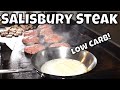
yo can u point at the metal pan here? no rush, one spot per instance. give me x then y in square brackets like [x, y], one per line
[37, 60]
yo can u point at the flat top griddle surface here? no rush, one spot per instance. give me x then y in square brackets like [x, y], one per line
[107, 67]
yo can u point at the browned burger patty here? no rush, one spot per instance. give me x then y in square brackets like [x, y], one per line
[26, 27]
[29, 40]
[34, 48]
[60, 45]
[46, 31]
[53, 38]
[30, 32]
[44, 26]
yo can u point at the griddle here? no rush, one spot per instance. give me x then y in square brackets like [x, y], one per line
[108, 66]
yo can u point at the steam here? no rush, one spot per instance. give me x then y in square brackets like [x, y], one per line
[70, 34]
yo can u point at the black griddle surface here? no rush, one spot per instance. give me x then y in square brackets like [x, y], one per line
[108, 66]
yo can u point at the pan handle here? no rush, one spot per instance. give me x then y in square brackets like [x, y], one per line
[3, 71]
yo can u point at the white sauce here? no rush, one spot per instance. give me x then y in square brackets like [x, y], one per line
[63, 67]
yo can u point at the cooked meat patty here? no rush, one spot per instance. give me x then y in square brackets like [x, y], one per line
[53, 38]
[60, 45]
[26, 27]
[29, 40]
[46, 31]
[23, 27]
[44, 26]
[34, 48]
[31, 32]
[4, 33]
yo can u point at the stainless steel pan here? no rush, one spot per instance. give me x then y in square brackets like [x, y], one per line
[87, 58]
[38, 59]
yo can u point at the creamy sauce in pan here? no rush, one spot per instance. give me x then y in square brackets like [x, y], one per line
[64, 67]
